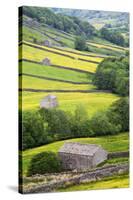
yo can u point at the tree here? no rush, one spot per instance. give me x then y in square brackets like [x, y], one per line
[59, 21]
[45, 162]
[80, 43]
[57, 122]
[101, 125]
[121, 110]
[112, 36]
[80, 122]
[122, 86]
[112, 74]
[33, 131]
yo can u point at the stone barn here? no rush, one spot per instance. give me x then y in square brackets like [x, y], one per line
[81, 156]
[46, 61]
[47, 43]
[49, 101]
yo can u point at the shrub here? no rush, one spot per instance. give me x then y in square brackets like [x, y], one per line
[33, 130]
[45, 162]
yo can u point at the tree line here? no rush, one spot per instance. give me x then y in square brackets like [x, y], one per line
[59, 21]
[73, 25]
[47, 125]
[113, 36]
[113, 74]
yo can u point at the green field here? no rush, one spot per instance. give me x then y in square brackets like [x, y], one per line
[114, 143]
[38, 55]
[68, 101]
[120, 181]
[70, 70]
[28, 34]
[111, 47]
[66, 39]
[105, 51]
[38, 34]
[72, 53]
[37, 83]
[50, 72]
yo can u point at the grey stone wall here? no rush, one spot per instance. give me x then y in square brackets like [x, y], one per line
[93, 175]
[118, 154]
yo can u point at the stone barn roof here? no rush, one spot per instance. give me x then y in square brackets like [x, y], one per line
[78, 148]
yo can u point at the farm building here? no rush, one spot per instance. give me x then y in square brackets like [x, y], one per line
[46, 61]
[47, 43]
[49, 101]
[81, 156]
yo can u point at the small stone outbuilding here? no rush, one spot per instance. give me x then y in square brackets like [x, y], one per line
[77, 156]
[47, 43]
[46, 61]
[49, 101]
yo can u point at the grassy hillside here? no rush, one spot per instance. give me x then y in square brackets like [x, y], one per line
[111, 47]
[50, 72]
[70, 77]
[98, 18]
[44, 33]
[35, 54]
[114, 143]
[72, 54]
[69, 101]
[39, 83]
[61, 38]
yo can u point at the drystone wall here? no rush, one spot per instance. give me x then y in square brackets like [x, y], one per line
[94, 175]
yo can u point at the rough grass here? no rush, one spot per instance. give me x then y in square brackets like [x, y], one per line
[37, 83]
[50, 72]
[68, 101]
[120, 181]
[38, 55]
[114, 143]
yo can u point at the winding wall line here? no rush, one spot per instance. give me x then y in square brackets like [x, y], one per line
[63, 91]
[44, 33]
[54, 79]
[58, 53]
[87, 177]
[69, 37]
[57, 66]
[80, 54]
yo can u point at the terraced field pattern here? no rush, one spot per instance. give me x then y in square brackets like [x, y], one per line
[69, 75]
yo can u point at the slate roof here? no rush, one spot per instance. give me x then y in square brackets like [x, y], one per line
[80, 149]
